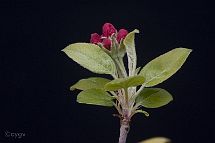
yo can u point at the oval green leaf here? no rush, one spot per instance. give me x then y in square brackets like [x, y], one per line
[164, 66]
[153, 97]
[92, 82]
[124, 83]
[91, 57]
[156, 140]
[95, 97]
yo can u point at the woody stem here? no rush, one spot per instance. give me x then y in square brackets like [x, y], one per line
[124, 129]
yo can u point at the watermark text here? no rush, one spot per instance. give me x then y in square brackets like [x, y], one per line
[15, 135]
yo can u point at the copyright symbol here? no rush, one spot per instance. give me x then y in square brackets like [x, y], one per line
[7, 134]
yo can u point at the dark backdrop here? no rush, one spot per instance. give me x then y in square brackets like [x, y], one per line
[36, 75]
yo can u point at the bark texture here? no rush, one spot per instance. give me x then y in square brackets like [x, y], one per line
[124, 129]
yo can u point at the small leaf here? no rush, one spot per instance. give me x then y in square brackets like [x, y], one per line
[91, 57]
[164, 66]
[95, 97]
[92, 82]
[124, 83]
[143, 112]
[153, 97]
[131, 51]
[156, 140]
[121, 49]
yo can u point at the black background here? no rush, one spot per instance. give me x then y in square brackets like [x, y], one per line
[36, 75]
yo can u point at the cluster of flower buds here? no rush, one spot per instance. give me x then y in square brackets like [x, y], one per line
[106, 40]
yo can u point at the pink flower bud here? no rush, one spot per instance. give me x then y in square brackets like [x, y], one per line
[107, 43]
[95, 38]
[108, 29]
[121, 34]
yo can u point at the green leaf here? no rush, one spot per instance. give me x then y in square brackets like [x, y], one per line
[91, 57]
[124, 83]
[92, 82]
[164, 66]
[156, 140]
[153, 97]
[95, 97]
[131, 52]
[121, 49]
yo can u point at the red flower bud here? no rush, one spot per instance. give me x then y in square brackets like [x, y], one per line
[107, 43]
[121, 34]
[95, 38]
[108, 29]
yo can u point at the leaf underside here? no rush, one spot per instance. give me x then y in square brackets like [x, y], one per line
[154, 97]
[131, 51]
[95, 97]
